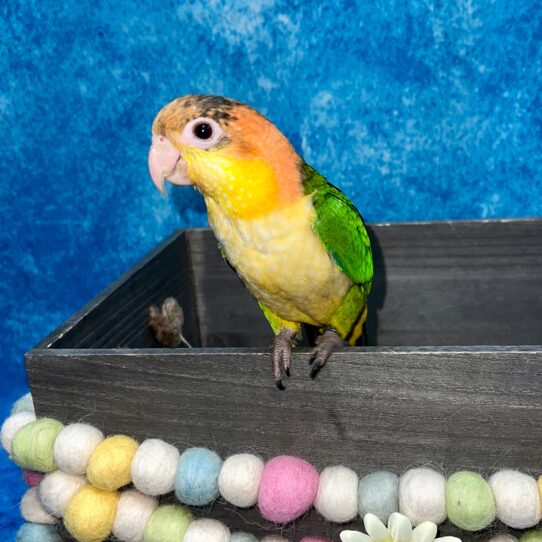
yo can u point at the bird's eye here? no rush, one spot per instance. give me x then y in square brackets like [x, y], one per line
[203, 130]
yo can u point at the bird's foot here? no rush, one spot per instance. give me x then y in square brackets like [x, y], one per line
[325, 344]
[281, 355]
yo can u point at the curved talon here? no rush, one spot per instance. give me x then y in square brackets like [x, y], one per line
[315, 370]
[281, 355]
[325, 344]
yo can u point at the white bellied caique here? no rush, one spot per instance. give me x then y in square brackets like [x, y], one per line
[297, 242]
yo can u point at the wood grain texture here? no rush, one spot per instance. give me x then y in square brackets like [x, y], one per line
[118, 316]
[384, 407]
[448, 283]
[374, 408]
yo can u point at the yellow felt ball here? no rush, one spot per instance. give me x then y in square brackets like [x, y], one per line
[109, 465]
[90, 514]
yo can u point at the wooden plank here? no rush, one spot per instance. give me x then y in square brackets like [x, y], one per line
[457, 283]
[375, 408]
[445, 283]
[448, 283]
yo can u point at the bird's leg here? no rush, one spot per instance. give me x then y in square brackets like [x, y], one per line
[325, 344]
[281, 355]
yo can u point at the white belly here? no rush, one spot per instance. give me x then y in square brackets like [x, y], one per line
[282, 262]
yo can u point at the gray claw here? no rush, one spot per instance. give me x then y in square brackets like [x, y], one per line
[281, 355]
[325, 344]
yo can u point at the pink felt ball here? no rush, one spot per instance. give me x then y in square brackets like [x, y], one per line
[288, 488]
[32, 478]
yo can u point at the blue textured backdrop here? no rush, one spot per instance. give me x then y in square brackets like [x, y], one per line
[418, 109]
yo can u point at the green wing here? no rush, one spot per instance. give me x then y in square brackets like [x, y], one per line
[340, 228]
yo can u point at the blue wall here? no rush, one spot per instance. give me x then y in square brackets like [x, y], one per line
[418, 109]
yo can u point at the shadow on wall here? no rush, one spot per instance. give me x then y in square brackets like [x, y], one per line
[378, 291]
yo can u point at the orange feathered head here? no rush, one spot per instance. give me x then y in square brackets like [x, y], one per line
[228, 151]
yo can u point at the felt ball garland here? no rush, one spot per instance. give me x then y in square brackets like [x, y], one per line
[75, 473]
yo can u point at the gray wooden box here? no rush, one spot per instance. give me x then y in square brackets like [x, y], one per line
[453, 379]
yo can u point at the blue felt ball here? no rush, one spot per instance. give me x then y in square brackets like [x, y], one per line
[35, 532]
[196, 482]
[24, 404]
[378, 494]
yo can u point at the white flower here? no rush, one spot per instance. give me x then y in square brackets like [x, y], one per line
[399, 529]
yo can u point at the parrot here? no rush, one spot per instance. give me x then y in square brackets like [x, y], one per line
[296, 241]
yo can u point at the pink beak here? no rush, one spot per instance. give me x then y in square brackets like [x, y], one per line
[166, 163]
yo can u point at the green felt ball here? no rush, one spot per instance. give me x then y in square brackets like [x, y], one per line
[168, 522]
[469, 501]
[531, 536]
[32, 446]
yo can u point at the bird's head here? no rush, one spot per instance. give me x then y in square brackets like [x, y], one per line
[228, 151]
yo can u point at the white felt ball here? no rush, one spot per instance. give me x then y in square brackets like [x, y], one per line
[517, 497]
[154, 467]
[503, 537]
[209, 530]
[12, 425]
[243, 537]
[422, 496]
[133, 511]
[239, 479]
[32, 510]
[337, 497]
[74, 446]
[57, 489]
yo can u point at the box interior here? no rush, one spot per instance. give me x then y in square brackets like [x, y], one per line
[437, 284]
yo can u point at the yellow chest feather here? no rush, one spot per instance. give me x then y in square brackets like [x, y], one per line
[282, 262]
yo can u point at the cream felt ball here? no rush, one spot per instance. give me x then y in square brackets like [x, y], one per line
[239, 479]
[133, 511]
[274, 538]
[32, 509]
[422, 496]
[154, 467]
[379, 495]
[209, 530]
[57, 489]
[12, 425]
[337, 497]
[517, 497]
[242, 537]
[74, 446]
